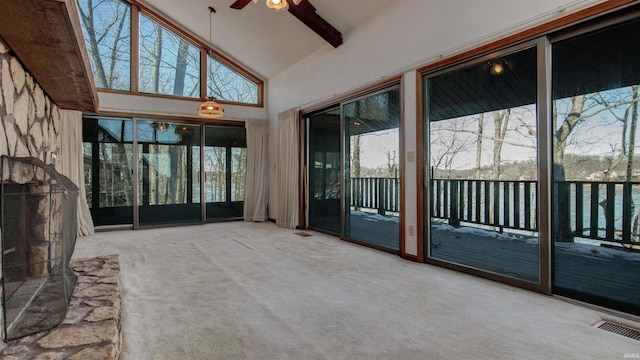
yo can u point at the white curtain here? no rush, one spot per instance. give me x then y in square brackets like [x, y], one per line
[72, 164]
[288, 169]
[256, 194]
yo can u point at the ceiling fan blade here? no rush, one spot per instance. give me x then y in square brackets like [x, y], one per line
[239, 4]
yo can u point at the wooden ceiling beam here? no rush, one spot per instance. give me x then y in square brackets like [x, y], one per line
[46, 36]
[240, 4]
[306, 13]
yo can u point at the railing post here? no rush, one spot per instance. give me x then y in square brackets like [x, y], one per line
[381, 196]
[610, 208]
[454, 218]
[562, 206]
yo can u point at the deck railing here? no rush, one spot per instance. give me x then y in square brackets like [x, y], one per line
[502, 204]
[600, 210]
[586, 209]
[381, 194]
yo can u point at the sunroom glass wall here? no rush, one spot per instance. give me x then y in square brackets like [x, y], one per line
[108, 170]
[225, 160]
[168, 173]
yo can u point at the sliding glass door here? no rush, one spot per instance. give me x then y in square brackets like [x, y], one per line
[108, 169]
[225, 157]
[371, 175]
[595, 87]
[353, 175]
[168, 173]
[324, 171]
[482, 152]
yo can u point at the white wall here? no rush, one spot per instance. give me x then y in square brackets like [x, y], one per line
[407, 35]
[138, 104]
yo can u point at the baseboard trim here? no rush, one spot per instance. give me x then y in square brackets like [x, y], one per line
[410, 257]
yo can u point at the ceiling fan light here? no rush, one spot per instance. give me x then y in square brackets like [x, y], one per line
[277, 4]
[297, 2]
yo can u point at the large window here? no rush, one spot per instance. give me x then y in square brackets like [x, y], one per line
[223, 83]
[169, 64]
[169, 59]
[107, 33]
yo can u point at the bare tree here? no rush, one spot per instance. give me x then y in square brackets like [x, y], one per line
[500, 119]
[479, 145]
[355, 157]
[447, 142]
[181, 68]
[392, 163]
[107, 36]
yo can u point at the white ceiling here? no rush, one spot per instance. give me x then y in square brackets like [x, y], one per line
[263, 40]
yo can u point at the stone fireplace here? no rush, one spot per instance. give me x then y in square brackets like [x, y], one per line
[39, 228]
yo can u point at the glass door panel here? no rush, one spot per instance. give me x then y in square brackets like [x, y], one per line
[595, 92]
[225, 162]
[108, 169]
[483, 191]
[371, 174]
[324, 171]
[168, 173]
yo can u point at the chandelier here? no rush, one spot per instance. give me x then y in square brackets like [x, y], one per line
[210, 109]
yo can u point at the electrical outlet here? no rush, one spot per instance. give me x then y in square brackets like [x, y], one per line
[411, 156]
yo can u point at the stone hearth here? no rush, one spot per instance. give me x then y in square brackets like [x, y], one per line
[92, 327]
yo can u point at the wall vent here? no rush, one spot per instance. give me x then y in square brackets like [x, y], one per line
[303, 234]
[619, 329]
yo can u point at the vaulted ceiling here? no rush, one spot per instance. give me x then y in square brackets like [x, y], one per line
[263, 40]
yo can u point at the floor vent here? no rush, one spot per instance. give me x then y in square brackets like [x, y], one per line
[303, 234]
[619, 329]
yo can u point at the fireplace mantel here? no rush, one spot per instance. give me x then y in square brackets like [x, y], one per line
[46, 36]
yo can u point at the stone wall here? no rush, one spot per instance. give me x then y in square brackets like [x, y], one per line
[29, 120]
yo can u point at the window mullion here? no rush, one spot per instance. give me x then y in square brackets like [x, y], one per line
[135, 49]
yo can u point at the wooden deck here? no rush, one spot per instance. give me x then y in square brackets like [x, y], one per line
[486, 250]
[380, 230]
[604, 272]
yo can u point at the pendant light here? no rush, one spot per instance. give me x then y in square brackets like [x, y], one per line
[210, 109]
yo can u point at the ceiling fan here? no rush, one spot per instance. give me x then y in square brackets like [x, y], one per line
[306, 13]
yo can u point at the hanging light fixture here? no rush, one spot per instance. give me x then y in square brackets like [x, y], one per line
[210, 109]
[279, 4]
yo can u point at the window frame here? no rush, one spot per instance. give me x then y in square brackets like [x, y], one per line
[205, 50]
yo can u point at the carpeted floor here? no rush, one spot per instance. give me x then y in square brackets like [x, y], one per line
[255, 291]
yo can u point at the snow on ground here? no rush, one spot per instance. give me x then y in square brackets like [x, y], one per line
[589, 249]
[375, 217]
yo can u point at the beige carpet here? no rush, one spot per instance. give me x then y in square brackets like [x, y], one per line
[255, 291]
